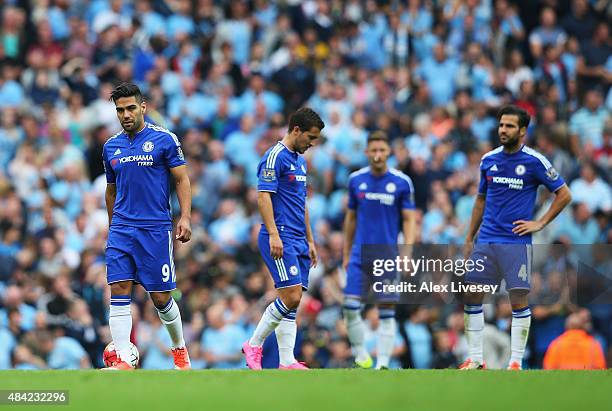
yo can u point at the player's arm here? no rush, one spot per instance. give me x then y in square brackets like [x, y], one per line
[110, 194]
[264, 203]
[183, 192]
[563, 197]
[477, 211]
[312, 249]
[475, 221]
[409, 226]
[408, 214]
[109, 197]
[349, 234]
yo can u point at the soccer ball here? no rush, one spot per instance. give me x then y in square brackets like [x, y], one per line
[109, 356]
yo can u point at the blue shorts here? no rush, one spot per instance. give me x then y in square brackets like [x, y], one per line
[143, 256]
[293, 268]
[512, 262]
[360, 285]
[354, 278]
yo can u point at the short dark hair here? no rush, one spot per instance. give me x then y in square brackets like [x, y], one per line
[305, 118]
[378, 135]
[126, 90]
[510, 110]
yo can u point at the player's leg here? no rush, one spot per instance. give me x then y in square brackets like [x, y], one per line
[170, 316]
[385, 335]
[289, 286]
[286, 331]
[521, 322]
[351, 310]
[155, 262]
[120, 317]
[516, 266]
[473, 315]
[473, 320]
[120, 273]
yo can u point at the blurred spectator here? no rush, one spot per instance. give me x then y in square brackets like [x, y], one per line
[221, 341]
[592, 190]
[575, 349]
[594, 65]
[547, 34]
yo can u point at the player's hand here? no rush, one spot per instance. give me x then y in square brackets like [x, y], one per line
[467, 248]
[312, 252]
[183, 230]
[522, 227]
[276, 247]
[345, 262]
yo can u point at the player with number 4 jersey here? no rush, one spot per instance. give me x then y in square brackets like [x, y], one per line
[138, 163]
[509, 178]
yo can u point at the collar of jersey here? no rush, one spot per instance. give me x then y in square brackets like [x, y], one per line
[288, 149]
[516, 152]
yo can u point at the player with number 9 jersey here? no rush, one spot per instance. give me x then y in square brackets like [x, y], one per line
[138, 163]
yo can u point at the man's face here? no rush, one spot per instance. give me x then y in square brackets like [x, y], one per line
[378, 152]
[130, 113]
[305, 139]
[593, 100]
[509, 131]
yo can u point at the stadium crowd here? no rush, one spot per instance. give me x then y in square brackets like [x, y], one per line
[224, 75]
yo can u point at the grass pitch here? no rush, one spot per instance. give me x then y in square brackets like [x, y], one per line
[319, 390]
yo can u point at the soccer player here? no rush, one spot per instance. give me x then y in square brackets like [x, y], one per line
[503, 210]
[285, 239]
[381, 202]
[138, 162]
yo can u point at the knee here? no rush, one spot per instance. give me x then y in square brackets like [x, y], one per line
[473, 298]
[160, 300]
[386, 311]
[292, 300]
[351, 307]
[121, 288]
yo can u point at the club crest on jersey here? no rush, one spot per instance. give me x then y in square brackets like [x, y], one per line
[268, 174]
[363, 186]
[293, 270]
[552, 174]
[390, 187]
[147, 146]
[520, 170]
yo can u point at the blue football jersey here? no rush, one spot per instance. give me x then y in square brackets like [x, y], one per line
[378, 202]
[140, 169]
[510, 183]
[283, 172]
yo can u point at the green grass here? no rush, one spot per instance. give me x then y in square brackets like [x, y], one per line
[320, 390]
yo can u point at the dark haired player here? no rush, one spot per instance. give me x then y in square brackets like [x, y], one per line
[285, 240]
[138, 162]
[381, 203]
[509, 179]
